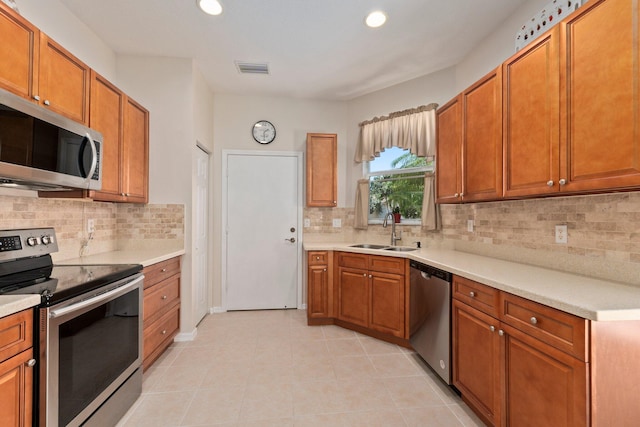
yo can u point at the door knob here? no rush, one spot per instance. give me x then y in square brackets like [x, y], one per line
[292, 240]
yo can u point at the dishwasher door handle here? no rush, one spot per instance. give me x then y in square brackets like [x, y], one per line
[425, 275]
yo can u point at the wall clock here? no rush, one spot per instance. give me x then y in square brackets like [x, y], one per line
[264, 132]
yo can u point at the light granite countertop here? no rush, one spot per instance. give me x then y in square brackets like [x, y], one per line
[10, 304]
[146, 257]
[587, 297]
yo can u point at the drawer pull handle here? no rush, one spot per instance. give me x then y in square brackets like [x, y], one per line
[164, 332]
[472, 294]
[164, 270]
[533, 321]
[492, 328]
[501, 332]
[164, 297]
[31, 363]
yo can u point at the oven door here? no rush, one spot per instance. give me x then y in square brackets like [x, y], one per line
[92, 346]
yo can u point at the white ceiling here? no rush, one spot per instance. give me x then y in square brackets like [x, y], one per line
[315, 48]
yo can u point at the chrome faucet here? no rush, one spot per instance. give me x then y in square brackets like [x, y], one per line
[394, 238]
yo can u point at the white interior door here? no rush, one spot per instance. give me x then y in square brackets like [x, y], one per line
[201, 280]
[262, 237]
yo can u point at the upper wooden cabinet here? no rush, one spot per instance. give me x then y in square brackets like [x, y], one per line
[448, 157]
[599, 63]
[20, 53]
[63, 81]
[469, 148]
[531, 98]
[322, 169]
[37, 68]
[107, 108]
[135, 152]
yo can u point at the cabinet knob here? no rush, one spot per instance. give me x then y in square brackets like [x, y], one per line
[164, 297]
[36, 97]
[164, 332]
[46, 102]
[122, 194]
[533, 320]
[472, 294]
[550, 183]
[335, 202]
[461, 194]
[456, 195]
[324, 269]
[562, 181]
[501, 332]
[370, 276]
[31, 363]
[365, 274]
[317, 258]
[164, 270]
[492, 328]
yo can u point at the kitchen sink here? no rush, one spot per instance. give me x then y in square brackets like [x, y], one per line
[368, 246]
[399, 249]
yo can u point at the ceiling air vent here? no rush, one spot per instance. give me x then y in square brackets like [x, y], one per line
[252, 68]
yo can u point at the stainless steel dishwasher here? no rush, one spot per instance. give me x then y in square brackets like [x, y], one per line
[430, 317]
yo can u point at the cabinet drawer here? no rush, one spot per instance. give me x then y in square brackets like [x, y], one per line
[158, 272]
[348, 259]
[16, 333]
[160, 297]
[160, 333]
[387, 264]
[484, 298]
[561, 330]
[318, 258]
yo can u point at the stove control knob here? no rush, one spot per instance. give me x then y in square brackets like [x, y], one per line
[46, 240]
[33, 241]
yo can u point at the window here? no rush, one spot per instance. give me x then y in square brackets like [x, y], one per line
[396, 180]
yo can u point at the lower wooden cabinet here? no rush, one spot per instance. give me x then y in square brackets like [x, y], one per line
[364, 292]
[16, 369]
[161, 308]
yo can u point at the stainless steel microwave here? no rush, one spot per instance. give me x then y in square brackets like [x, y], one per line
[42, 150]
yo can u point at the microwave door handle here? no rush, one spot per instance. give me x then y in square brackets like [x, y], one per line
[97, 299]
[94, 159]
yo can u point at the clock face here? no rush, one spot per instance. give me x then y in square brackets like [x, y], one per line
[264, 132]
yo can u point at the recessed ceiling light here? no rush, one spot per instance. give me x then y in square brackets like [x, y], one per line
[376, 19]
[211, 7]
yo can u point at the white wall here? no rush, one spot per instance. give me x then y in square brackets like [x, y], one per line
[234, 116]
[55, 20]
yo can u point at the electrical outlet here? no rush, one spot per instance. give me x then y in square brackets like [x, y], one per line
[337, 223]
[91, 226]
[470, 225]
[561, 234]
[307, 222]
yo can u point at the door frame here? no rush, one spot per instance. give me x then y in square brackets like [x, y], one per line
[208, 227]
[300, 196]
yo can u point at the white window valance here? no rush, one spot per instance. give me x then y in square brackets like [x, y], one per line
[414, 130]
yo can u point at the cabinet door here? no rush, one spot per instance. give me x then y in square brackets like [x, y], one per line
[387, 304]
[64, 81]
[531, 98]
[318, 291]
[322, 174]
[16, 390]
[107, 103]
[19, 52]
[448, 157]
[600, 97]
[543, 386]
[135, 151]
[476, 360]
[353, 296]
[482, 139]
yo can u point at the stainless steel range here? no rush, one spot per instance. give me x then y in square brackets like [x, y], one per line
[89, 327]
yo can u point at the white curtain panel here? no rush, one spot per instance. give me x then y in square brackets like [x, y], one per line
[362, 205]
[431, 220]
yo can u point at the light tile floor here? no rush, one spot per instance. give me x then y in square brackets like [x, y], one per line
[268, 368]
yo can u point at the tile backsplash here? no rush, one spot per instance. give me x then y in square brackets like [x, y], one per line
[603, 232]
[115, 224]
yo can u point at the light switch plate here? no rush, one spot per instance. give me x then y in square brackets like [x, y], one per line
[91, 226]
[561, 234]
[337, 223]
[470, 225]
[307, 223]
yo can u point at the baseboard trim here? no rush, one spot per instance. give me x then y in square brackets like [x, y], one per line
[213, 310]
[186, 336]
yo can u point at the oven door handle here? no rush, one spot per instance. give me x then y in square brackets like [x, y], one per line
[97, 299]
